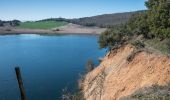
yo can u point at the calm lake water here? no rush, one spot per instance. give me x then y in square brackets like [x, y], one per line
[48, 63]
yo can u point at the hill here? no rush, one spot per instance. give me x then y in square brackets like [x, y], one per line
[106, 20]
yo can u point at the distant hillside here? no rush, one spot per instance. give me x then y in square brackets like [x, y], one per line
[106, 20]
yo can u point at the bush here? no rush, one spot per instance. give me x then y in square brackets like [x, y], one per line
[15, 23]
[138, 44]
[1, 23]
[89, 65]
[159, 18]
[112, 37]
[72, 96]
[138, 24]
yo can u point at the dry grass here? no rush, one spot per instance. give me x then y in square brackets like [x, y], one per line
[154, 92]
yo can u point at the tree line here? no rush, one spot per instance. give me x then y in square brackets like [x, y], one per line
[10, 23]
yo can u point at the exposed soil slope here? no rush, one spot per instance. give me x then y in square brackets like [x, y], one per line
[116, 77]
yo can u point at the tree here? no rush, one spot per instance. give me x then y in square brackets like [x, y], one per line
[139, 25]
[103, 39]
[1, 23]
[159, 17]
[15, 22]
[154, 22]
[112, 37]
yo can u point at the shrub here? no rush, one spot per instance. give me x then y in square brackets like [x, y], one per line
[139, 25]
[112, 37]
[14, 22]
[138, 44]
[1, 23]
[159, 17]
[89, 65]
[72, 96]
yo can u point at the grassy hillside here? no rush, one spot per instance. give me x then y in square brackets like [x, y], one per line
[106, 20]
[42, 24]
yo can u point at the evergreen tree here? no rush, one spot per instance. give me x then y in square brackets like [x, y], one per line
[159, 17]
[1, 23]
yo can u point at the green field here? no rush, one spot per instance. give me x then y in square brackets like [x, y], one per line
[42, 24]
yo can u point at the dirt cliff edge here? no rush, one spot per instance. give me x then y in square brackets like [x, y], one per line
[116, 77]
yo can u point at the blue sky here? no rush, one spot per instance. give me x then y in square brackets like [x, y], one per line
[40, 9]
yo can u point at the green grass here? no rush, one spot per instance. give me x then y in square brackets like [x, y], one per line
[42, 24]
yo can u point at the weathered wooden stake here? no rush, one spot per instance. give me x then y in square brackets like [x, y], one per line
[20, 83]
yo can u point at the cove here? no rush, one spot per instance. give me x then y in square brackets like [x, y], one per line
[48, 63]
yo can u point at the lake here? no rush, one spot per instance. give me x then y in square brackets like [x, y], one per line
[48, 63]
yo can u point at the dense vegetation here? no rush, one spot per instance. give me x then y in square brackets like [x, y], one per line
[153, 24]
[159, 18]
[90, 65]
[42, 24]
[10, 23]
[1, 23]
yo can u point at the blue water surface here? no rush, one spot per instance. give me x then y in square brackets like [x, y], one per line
[48, 63]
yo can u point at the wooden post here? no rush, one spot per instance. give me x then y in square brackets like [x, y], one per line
[20, 83]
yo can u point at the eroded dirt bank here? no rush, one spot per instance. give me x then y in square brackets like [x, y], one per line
[116, 77]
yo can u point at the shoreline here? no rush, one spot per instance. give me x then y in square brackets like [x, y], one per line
[50, 34]
[64, 30]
